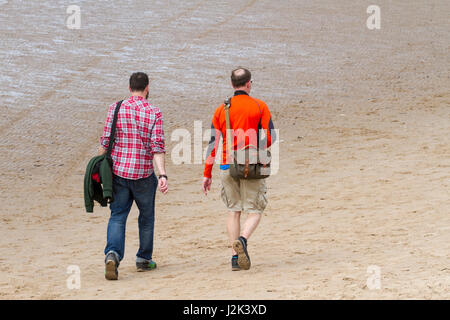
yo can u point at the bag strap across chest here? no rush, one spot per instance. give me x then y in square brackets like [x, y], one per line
[113, 129]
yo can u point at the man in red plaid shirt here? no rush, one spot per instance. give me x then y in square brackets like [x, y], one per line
[138, 142]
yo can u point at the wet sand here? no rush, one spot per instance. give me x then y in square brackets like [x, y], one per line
[364, 119]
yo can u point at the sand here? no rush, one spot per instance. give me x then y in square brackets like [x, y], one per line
[364, 119]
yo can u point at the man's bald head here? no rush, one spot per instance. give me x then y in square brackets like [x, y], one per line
[240, 77]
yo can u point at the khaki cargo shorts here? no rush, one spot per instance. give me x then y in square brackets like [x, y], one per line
[243, 195]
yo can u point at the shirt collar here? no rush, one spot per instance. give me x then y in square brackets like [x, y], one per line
[240, 93]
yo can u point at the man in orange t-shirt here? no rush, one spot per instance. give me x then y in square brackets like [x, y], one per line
[246, 113]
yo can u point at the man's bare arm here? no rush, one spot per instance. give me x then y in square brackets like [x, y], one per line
[159, 159]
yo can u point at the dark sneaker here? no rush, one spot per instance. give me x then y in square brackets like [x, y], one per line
[145, 266]
[111, 267]
[243, 258]
[235, 265]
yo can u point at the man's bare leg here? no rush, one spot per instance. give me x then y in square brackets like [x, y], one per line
[250, 224]
[240, 245]
[233, 227]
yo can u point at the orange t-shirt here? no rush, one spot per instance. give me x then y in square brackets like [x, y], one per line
[245, 115]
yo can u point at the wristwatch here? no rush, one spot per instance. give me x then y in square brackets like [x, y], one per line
[162, 176]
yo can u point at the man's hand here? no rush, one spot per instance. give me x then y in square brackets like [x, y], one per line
[206, 185]
[163, 185]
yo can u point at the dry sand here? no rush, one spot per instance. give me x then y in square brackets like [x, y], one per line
[364, 120]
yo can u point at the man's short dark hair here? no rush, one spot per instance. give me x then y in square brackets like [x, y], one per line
[138, 81]
[240, 76]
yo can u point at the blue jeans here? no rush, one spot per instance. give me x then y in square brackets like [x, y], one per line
[125, 191]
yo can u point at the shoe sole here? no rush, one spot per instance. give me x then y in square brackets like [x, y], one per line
[243, 258]
[110, 270]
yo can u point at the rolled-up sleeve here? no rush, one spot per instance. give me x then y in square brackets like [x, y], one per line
[157, 140]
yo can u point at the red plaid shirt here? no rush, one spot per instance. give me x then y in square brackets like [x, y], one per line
[139, 134]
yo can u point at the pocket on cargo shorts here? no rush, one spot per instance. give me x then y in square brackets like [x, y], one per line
[223, 195]
[254, 196]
